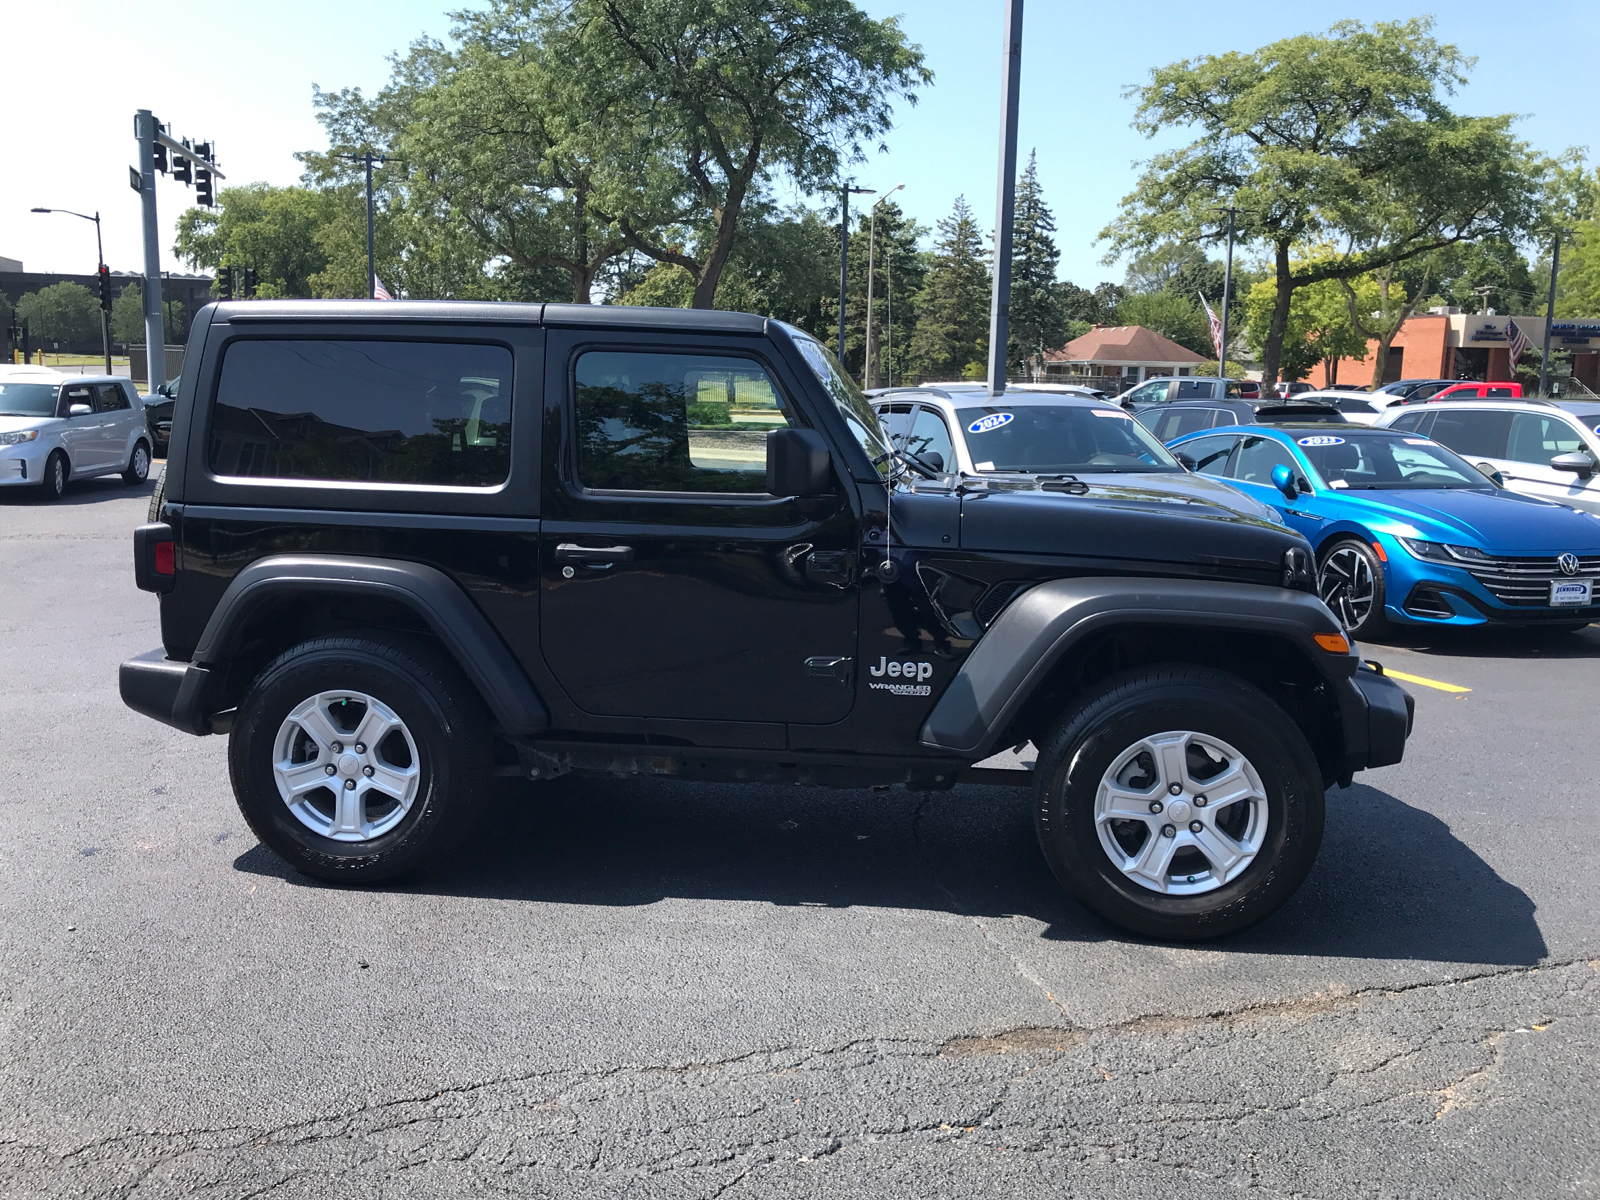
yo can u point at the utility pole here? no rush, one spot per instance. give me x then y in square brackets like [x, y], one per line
[1227, 295]
[368, 158]
[150, 137]
[872, 247]
[1006, 200]
[1549, 318]
[846, 190]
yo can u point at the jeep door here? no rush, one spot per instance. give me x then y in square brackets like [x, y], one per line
[672, 586]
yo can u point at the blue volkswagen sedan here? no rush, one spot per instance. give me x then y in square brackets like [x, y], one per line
[1406, 532]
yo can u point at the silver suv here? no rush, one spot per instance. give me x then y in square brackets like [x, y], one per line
[1530, 446]
[69, 427]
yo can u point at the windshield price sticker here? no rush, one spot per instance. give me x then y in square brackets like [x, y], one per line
[992, 421]
[1110, 412]
[1321, 441]
[1418, 441]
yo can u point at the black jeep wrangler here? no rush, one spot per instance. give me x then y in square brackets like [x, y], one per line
[403, 548]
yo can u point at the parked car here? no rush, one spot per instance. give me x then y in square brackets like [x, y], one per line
[1408, 390]
[1473, 390]
[1168, 421]
[1358, 405]
[1533, 447]
[1023, 432]
[1169, 389]
[1406, 532]
[68, 427]
[413, 546]
[158, 416]
[1286, 388]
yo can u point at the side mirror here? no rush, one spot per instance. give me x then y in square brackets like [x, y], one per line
[1283, 480]
[1578, 462]
[79, 410]
[798, 463]
[1186, 461]
[934, 459]
[1488, 471]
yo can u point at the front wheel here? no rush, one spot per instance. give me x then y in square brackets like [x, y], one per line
[1350, 582]
[1179, 802]
[54, 483]
[357, 760]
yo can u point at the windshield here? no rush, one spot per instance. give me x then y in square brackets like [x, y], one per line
[1045, 440]
[28, 399]
[1356, 460]
[847, 398]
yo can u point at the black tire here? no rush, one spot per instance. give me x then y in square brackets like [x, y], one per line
[138, 468]
[56, 473]
[158, 497]
[440, 709]
[1334, 586]
[1152, 700]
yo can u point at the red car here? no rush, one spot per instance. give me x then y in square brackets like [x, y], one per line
[1478, 391]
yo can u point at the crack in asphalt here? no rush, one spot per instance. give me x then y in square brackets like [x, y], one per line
[1142, 1090]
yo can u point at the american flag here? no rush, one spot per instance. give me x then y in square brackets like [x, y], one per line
[379, 292]
[1216, 330]
[1518, 339]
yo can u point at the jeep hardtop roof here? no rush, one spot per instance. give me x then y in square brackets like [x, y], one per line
[485, 312]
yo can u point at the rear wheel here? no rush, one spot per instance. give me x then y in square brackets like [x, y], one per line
[56, 471]
[1350, 582]
[357, 760]
[138, 469]
[1179, 802]
[158, 497]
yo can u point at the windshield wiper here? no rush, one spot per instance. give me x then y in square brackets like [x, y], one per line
[924, 469]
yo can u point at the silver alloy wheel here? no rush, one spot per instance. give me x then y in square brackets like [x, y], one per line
[346, 766]
[1346, 586]
[141, 462]
[1181, 813]
[58, 474]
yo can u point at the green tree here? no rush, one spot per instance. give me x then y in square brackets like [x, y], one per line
[1343, 137]
[899, 271]
[1379, 305]
[1097, 307]
[1319, 327]
[727, 91]
[62, 312]
[1038, 320]
[273, 230]
[1170, 314]
[952, 332]
[127, 318]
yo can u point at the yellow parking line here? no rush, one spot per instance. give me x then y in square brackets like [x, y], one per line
[1433, 683]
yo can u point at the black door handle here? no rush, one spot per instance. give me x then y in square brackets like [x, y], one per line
[598, 557]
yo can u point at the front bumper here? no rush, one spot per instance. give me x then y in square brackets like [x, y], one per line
[1378, 714]
[22, 465]
[170, 692]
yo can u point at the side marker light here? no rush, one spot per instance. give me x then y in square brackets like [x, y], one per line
[1382, 557]
[1333, 643]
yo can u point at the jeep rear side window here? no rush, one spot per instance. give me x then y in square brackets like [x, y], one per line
[674, 422]
[429, 413]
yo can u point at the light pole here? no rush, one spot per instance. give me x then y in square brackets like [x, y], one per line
[100, 255]
[872, 246]
[1549, 318]
[368, 158]
[1006, 200]
[846, 190]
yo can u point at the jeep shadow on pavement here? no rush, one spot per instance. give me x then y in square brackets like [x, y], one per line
[404, 549]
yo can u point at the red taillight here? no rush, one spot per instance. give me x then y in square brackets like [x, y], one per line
[165, 559]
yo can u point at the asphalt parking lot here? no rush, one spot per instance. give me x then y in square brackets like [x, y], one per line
[645, 988]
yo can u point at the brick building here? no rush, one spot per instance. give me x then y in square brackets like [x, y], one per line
[1469, 346]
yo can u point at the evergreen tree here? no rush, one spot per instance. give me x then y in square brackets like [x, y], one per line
[899, 270]
[1038, 313]
[952, 335]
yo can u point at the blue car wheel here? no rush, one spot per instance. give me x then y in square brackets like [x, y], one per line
[1350, 582]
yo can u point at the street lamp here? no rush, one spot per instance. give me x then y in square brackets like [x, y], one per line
[872, 245]
[100, 253]
[846, 190]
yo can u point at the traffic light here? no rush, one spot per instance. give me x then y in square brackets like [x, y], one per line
[105, 287]
[224, 285]
[203, 150]
[180, 167]
[161, 151]
[202, 188]
[249, 290]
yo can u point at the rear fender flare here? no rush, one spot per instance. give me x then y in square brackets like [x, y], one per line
[1041, 627]
[441, 603]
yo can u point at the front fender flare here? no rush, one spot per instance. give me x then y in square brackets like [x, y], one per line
[436, 598]
[1042, 626]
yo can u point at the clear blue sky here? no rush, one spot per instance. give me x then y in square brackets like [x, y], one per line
[241, 75]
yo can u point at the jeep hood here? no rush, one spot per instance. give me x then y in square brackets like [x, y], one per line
[1170, 517]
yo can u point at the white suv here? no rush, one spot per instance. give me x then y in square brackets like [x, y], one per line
[1537, 448]
[66, 427]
